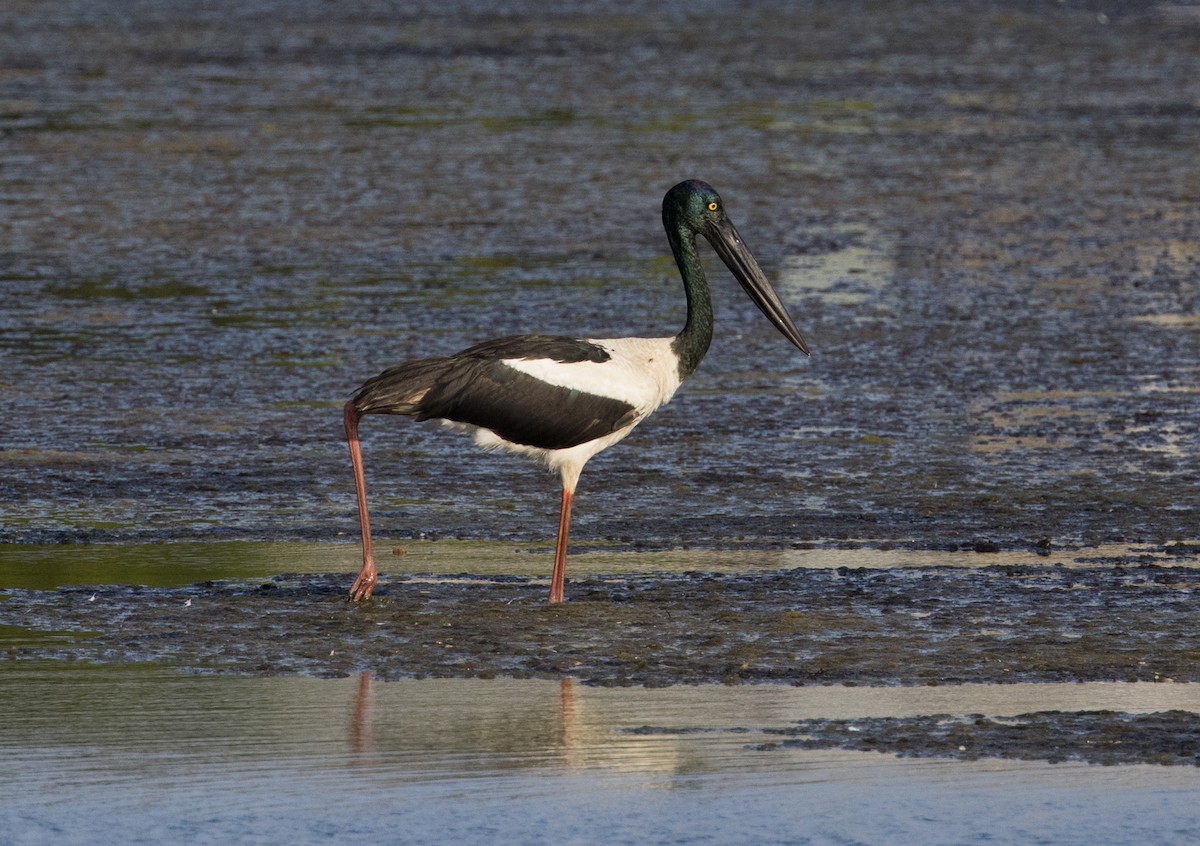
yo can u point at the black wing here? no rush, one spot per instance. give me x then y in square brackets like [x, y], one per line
[477, 388]
[554, 347]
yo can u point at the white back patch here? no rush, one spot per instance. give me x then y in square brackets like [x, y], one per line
[643, 372]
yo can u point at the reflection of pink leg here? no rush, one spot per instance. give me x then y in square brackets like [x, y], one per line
[566, 693]
[361, 722]
[559, 577]
[368, 575]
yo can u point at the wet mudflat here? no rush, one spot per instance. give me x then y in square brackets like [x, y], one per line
[984, 218]
[1081, 619]
[218, 219]
[903, 625]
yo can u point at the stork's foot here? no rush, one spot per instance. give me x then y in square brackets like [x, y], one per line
[368, 577]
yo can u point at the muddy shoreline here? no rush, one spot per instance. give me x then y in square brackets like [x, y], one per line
[922, 627]
[841, 626]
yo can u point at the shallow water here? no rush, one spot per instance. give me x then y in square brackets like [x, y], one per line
[219, 224]
[149, 755]
[182, 563]
[216, 220]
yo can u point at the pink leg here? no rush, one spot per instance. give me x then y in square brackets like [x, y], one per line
[559, 577]
[368, 575]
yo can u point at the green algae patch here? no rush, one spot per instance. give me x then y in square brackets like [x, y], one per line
[17, 638]
[156, 565]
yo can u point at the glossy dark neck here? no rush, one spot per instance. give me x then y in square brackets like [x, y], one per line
[692, 343]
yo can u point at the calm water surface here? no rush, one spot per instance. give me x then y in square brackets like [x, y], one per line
[145, 755]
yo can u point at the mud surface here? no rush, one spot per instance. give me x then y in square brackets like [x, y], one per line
[1105, 737]
[899, 626]
[218, 220]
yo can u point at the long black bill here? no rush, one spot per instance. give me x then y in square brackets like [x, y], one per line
[737, 257]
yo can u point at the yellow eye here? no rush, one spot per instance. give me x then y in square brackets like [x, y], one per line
[712, 206]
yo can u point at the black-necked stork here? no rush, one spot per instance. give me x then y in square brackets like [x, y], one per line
[562, 400]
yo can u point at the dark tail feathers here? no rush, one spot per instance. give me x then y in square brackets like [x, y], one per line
[400, 389]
